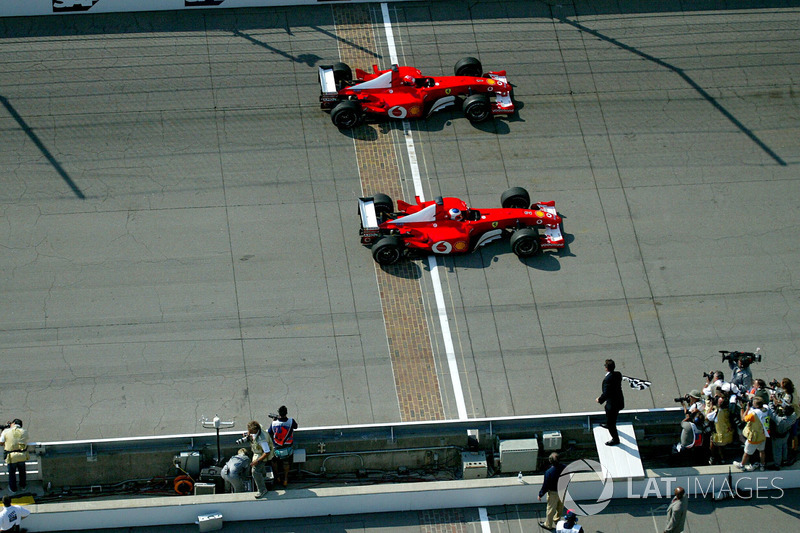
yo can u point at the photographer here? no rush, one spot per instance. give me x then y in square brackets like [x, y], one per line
[718, 414]
[691, 431]
[262, 446]
[759, 390]
[235, 470]
[715, 381]
[282, 433]
[15, 444]
[781, 421]
[756, 432]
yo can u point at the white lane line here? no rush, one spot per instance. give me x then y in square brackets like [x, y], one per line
[444, 323]
[484, 520]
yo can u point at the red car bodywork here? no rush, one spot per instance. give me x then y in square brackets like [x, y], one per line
[404, 92]
[428, 227]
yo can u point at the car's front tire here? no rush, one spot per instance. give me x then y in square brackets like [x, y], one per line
[477, 108]
[515, 197]
[469, 66]
[525, 242]
[346, 115]
[388, 250]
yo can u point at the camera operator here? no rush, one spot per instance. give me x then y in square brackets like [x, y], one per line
[262, 447]
[783, 393]
[742, 377]
[756, 432]
[718, 414]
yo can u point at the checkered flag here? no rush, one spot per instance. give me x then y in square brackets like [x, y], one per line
[636, 383]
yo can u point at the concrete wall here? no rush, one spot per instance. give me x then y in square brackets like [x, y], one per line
[17, 8]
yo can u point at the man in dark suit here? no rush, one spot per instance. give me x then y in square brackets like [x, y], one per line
[613, 398]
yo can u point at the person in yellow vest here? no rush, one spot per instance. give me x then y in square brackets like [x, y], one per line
[15, 444]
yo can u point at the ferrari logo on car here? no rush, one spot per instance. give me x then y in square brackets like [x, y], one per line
[494, 224]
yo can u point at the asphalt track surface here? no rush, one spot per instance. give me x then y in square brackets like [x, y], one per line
[179, 233]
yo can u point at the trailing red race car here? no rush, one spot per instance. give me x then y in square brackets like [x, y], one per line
[449, 226]
[403, 92]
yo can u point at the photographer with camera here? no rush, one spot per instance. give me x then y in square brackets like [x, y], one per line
[282, 433]
[262, 446]
[782, 419]
[718, 414]
[15, 445]
[691, 431]
[759, 390]
[715, 381]
[756, 432]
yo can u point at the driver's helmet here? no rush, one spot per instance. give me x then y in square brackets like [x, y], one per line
[455, 214]
[408, 80]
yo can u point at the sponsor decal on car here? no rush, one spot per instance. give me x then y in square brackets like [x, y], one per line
[398, 111]
[461, 246]
[441, 247]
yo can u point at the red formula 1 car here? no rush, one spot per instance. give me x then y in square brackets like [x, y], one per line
[403, 92]
[449, 226]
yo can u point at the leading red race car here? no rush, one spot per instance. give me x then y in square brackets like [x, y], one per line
[403, 92]
[448, 226]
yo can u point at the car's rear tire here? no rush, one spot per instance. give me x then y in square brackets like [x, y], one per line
[469, 66]
[346, 115]
[477, 108]
[525, 242]
[388, 250]
[515, 197]
[342, 73]
[383, 204]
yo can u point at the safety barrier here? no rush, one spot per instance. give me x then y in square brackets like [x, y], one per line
[22, 8]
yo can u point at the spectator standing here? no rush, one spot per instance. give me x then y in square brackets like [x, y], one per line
[262, 447]
[676, 512]
[569, 523]
[756, 432]
[282, 433]
[235, 470]
[613, 398]
[781, 421]
[11, 515]
[555, 506]
[15, 443]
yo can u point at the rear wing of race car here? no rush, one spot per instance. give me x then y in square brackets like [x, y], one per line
[369, 221]
[327, 84]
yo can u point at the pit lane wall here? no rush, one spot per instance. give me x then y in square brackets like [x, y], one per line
[24, 8]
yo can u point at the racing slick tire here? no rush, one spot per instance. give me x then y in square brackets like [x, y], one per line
[383, 204]
[346, 115]
[477, 108]
[342, 73]
[469, 66]
[515, 197]
[525, 242]
[388, 250]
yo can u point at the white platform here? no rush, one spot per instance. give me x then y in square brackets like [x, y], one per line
[623, 460]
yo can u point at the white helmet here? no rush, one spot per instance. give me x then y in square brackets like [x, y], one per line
[455, 214]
